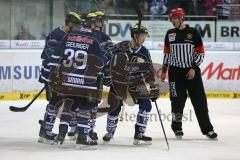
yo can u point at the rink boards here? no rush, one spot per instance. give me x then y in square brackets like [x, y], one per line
[20, 69]
[31, 95]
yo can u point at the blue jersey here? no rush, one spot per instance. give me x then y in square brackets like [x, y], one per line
[130, 68]
[55, 36]
[104, 41]
[81, 59]
[101, 36]
[140, 54]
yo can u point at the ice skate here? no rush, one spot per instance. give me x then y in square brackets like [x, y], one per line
[179, 134]
[93, 135]
[84, 142]
[72, 134]
[107, 137]
[211, 135]
[60, 139]
[141, 139]
[46, 137]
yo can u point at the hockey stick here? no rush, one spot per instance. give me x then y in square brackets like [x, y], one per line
[162, 125]
[122, 113]
[139, 12]
[23, 109]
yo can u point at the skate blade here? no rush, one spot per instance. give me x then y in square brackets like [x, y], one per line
[141, 142]
[179, 137]
[59, 144]
[45, 141]
[72, 138]
[212, 139]
[107, 142]
[85, 147]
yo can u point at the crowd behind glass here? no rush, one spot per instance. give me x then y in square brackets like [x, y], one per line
[33, 19]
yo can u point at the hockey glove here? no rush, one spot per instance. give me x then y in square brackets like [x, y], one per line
[154, 92]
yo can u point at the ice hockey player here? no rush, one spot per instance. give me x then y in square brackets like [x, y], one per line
[77, 78]
[105, 41]
[105, 45]
[99, 23]
[128, 52]
[72, 20]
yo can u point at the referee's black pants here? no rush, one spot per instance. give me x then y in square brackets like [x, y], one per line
[179, 87]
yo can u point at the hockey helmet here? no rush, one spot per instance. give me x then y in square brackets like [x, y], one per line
[100, 15]
[177, 12]
[136, 29]
[90, 17]
[73, 17]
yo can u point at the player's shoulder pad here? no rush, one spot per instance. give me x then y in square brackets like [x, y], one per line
[121, 47]
[58, 30]
[89, 35]
[123, 44]
[106, 36]
[58, 34]
[144, 49]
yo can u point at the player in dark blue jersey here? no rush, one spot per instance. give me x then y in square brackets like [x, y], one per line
[76, 74]
[72, 21]
[125, 54]
[101, 17]
[105, 45]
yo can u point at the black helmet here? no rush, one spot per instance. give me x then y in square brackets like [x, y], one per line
[72, 17]
[138, 30]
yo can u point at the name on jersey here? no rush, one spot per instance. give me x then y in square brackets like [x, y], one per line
[131, 68]
[172, 37]
[77, 45]
[74, 80]
[80, 39]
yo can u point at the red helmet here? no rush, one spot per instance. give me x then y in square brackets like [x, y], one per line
[177, 12]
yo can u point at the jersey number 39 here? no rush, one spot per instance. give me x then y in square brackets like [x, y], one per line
[77, 59]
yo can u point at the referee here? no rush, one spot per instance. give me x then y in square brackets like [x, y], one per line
[183, 53]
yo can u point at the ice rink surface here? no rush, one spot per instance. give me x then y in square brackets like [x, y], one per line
[19, 134]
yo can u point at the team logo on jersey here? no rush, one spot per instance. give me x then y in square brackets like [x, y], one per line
[189, 36]
[171, 37]
[80, 39]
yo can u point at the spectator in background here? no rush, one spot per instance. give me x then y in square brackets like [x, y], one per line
[124, 7]
[224, 10]
[108, 5]
[210, 7]
[206, 7]
[24, 34]
[158, 8]
[4, 35]
[187, 5]
[200, 7]
[235, 10]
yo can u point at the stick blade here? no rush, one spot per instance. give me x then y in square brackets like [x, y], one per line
[16, 109]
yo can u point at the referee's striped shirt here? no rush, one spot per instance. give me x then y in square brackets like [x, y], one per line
[183, 48]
